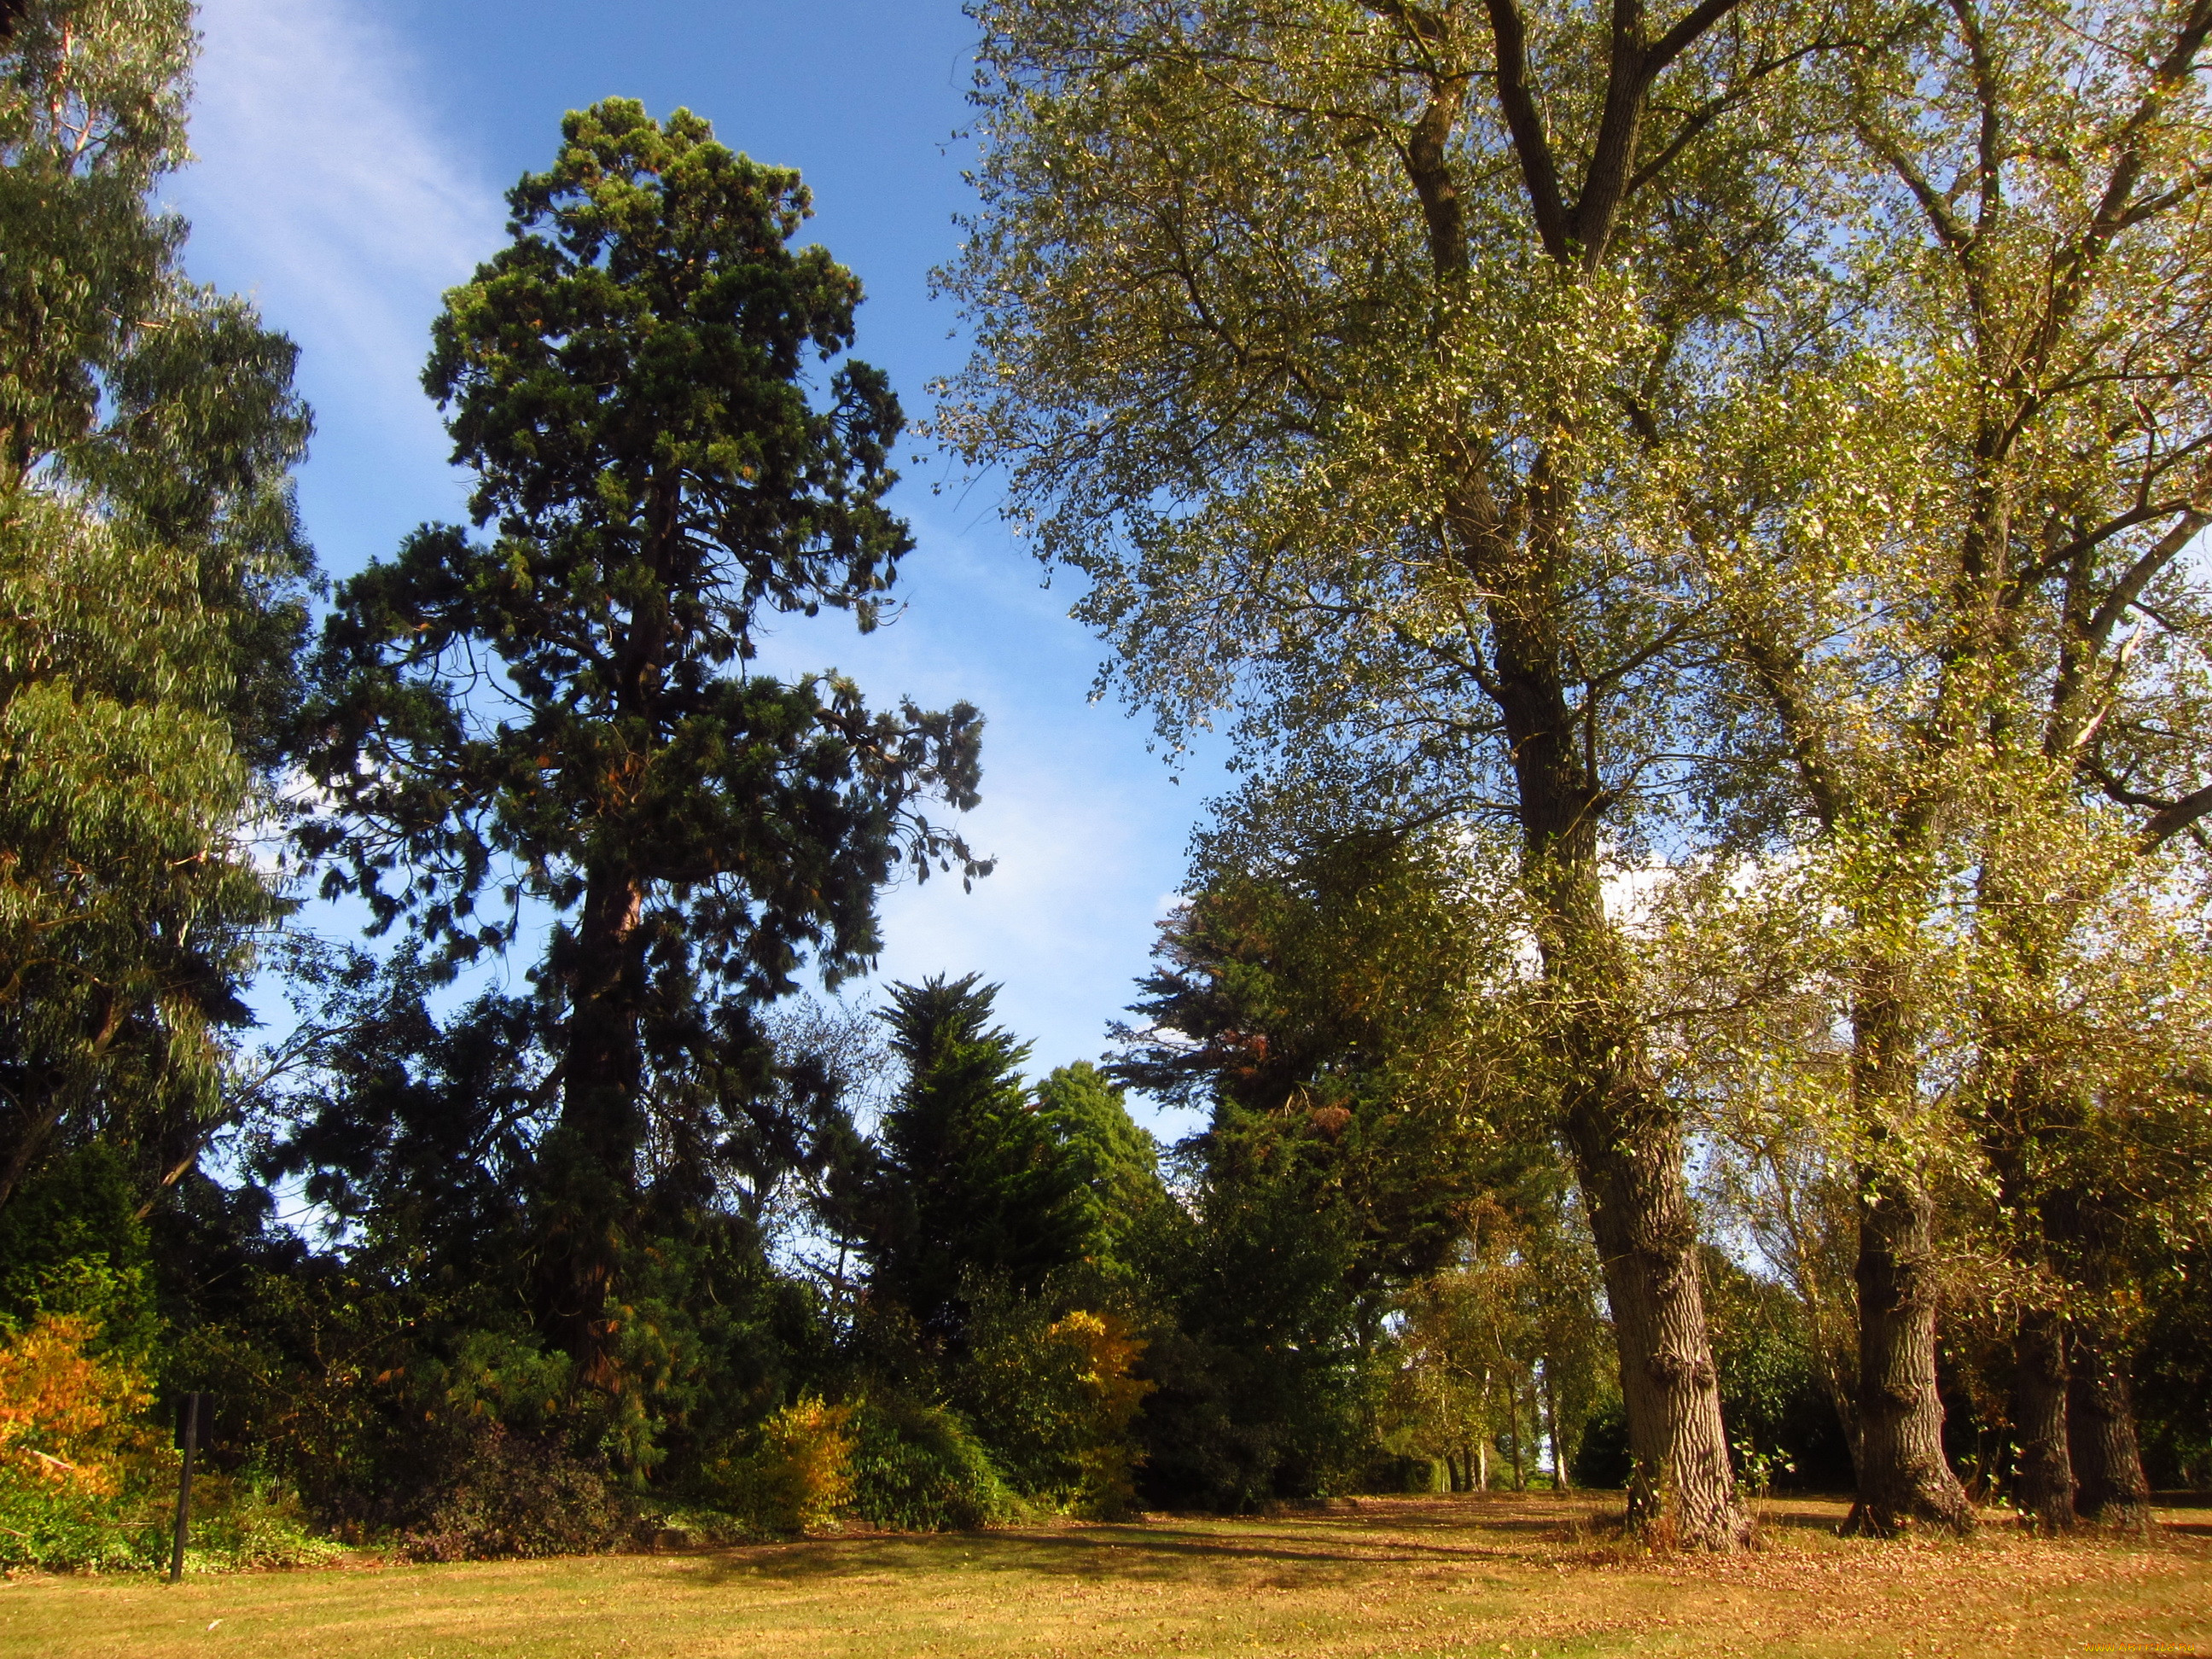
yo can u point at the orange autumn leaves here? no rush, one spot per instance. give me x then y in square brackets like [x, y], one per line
[68, 1415]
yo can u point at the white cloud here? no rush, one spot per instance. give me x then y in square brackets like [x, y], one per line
[319, 157]
[328, 190]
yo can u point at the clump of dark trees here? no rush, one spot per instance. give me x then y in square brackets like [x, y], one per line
[507, 1262]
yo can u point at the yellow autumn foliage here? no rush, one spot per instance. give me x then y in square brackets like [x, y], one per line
[66, 1414]
[799, 1475]
[1105, 1359]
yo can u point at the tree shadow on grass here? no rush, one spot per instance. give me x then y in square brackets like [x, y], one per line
[1299, 1549]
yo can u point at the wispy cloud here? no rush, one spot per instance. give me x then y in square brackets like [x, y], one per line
[328, 189]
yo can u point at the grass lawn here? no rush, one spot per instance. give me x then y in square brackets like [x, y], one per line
[1489, 1574]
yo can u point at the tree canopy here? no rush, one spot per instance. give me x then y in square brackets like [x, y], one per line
[564, 712]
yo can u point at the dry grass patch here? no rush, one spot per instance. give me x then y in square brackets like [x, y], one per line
[1494, 1575]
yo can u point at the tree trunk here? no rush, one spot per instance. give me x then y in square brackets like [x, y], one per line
[1512, 536]
[1904, 1480]
[1561, 1481]
[1624, 1134]
[588, 1166]
[2044, 1486]
[1513, 1403]
[2101, 1426]
[1681, 1488]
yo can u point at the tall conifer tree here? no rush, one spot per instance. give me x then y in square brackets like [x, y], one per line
[563, 712]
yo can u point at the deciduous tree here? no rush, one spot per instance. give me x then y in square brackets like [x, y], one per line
[1331, 341]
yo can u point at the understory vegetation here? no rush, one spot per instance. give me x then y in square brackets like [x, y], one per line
[1704, 990]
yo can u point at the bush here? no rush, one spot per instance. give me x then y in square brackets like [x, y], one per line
[81, 1475]
[515, 1495]
[1395, 1472]
[916, 1468]
[1602, 1459]
[1055, 1400]
[796, 1477]
[246, 1523]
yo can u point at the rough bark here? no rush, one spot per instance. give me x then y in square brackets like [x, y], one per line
[1904, 1480]
[2044, 1486]
[1513, 539]
[590, 1163]
[1624, 1134]
[1682, 1489]
[2101, 1428]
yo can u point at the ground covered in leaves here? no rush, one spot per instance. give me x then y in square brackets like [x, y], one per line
[1494, 1575]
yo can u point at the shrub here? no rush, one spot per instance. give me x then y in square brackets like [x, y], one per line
[516, 1495]
[1405, 1471]
[81, 1475]
[916, 1468]
[796, 1477]
[1055, 1400]
[248, 1522]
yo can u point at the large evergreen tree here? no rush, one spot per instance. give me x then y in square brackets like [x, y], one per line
[562, 712]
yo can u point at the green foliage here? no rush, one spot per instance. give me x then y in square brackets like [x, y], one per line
[916, 1468]
[1783, 1422]
[2173, 1390]
[1054, 1395]
[1115, 1165]
[628, 381]
[1264, 1386]
[1330, 991]
[71, 1241]
[247, 1523]
[564, 712]
[151, 578]
[796, 1477]
[1506, 1347]
[974, 1180]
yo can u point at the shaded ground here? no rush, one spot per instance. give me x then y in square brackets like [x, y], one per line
[1489, 1574]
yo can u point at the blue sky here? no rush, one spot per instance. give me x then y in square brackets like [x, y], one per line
[352, 157]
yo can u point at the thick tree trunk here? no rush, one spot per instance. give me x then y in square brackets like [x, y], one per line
[2101, 1427]
[1513, 535]
[1681, 1488]
[588, 1167]
[1624, 1136]
[1904, 1480]
[2044, 1485]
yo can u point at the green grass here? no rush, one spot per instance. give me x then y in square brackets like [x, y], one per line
[1493, 1575]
